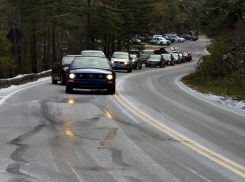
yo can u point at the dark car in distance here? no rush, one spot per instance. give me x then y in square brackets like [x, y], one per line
[136, 61]
[90, 73]
[163, 50]
[59, 69]
[168, 59]
[155, 60]
[168, 38]
[188, 37]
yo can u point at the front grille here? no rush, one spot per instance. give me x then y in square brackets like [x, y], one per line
[92, 76]
[118, 62]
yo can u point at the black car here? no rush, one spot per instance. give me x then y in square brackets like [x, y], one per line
[168, 59]
[59, 69]
[90, 73]
[121, 61]
[188, 37]
[136, 61]
[155, 60]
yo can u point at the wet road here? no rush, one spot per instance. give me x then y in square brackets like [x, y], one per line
[150, 130]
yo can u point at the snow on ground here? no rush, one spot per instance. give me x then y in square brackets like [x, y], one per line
[224, 102]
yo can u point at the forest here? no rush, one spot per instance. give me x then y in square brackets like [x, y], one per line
[54, 28]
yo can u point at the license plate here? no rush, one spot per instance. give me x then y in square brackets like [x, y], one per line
[119, 66]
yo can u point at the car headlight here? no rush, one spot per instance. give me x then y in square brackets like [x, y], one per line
[126, 62]
[169, 59]
[72, 75]
[109, 77]
[112, 61]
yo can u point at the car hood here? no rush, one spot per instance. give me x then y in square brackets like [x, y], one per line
[153, 60]
[91, 70]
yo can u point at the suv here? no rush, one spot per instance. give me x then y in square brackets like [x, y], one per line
[59, 69]
[121, 61]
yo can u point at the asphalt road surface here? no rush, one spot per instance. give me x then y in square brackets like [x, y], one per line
[151, 130]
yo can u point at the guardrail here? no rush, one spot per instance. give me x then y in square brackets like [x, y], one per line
[5, 83]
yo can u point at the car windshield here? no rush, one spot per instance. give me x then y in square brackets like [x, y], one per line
[67, 60]
[175, 54]
[167, 56]
[82, 62]
[133, 56]
[120, 55]
[154, 56]
[94, 54]
[185, 53]
[169, 49]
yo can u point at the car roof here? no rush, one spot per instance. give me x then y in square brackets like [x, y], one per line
[92, 51]
[120, 52]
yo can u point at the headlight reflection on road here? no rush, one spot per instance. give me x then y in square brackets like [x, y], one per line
[71, 101]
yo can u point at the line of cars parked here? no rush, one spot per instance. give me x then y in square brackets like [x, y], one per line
[167, 56]
[92, 70]
[167, 39]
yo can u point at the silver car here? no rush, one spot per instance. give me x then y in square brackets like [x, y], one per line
[121, 61]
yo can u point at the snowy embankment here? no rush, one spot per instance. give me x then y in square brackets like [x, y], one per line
[22, 79]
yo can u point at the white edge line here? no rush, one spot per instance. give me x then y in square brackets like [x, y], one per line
[205, 100]
[9, 95]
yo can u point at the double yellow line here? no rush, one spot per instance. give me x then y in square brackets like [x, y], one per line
[223, 161]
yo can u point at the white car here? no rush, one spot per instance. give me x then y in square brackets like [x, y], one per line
[176, 38]
[159, 41]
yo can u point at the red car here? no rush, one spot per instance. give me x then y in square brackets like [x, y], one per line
[187, 55]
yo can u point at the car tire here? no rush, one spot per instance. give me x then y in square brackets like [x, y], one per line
[140, 66]
[61, 79]
[111, 90]
[69, 89]
[52, 79]
[161, 43]
[179, 40]
[160, 66]
[129, 70]
[146, 65]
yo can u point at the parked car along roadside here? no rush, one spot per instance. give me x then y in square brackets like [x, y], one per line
[168, 59]
[59, 69]
[155, 60]
[121, 61]
[136, 61]
[188, 37]
[187, 55]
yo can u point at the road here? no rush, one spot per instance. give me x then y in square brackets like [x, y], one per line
[151, 130]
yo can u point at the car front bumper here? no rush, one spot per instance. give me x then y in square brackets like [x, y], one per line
[91, 84]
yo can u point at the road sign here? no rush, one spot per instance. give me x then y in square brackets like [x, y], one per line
[18, 35]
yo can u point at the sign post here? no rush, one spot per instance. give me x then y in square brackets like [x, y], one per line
[14, 36]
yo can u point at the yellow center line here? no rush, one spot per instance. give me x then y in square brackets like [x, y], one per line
[177, 136]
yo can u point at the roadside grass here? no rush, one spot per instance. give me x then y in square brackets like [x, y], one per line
[224, 87]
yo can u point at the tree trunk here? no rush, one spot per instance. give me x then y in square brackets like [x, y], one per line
[53, 44]
[33, 46]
